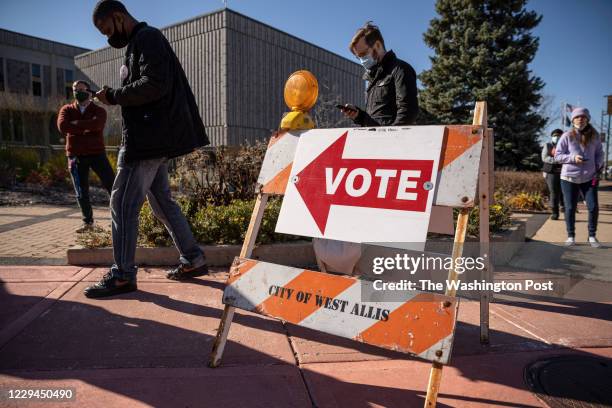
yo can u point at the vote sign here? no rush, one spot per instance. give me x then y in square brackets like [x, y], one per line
[363, 186]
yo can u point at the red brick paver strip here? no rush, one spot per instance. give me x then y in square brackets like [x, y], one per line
[40, 232]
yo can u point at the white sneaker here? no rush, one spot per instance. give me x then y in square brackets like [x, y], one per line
[571, 241]
[594, 242]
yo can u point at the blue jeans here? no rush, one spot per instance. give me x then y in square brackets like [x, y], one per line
[136, 180]
[571, 192]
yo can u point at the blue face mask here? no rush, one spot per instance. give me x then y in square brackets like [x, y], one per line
[368, 61]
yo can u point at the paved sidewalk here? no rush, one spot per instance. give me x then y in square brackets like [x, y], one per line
[41, 234]
[545, 252]
[150, 348]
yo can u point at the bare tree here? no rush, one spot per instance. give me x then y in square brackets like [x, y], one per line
[550, 112]
[325, 113]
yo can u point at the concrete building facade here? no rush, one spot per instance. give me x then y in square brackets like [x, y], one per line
[237, 68]
[36, 77]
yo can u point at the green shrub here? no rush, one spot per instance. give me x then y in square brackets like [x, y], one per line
[527, 202]
[221, 175]
[511, 183]
[53, 173]
[151, 232]
[220, 224]
[17, 163]
[499, 218]
[227, 224]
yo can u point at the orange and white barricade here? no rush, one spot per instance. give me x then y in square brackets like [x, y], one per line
[423, 323]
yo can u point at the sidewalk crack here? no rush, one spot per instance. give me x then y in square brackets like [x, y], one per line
[297, 363]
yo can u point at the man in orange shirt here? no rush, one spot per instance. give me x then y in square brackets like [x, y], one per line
[82, 123]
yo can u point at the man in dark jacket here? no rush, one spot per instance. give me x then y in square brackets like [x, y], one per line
[391, 91]
[391, 100]
[160, 121]
[82, 124]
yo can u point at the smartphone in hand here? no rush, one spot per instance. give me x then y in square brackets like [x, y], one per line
[346, 107]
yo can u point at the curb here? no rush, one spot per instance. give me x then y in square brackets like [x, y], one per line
[504, 245]
[509, 242]
[293, 253]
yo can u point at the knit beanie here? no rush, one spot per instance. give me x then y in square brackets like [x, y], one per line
[581, 112]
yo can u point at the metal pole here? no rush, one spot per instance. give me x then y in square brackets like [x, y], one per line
[563, 116]
[607, 149]
[602, 133]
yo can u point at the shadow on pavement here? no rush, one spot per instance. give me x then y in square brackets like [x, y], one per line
[76, 340]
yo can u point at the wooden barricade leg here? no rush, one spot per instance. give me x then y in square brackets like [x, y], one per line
[480, 119]
[485, 187]
[485, 177]
[247, 250]
[435, 375]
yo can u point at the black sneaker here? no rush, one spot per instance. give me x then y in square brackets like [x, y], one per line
[110, 285]
[183, 271]
[554, 217]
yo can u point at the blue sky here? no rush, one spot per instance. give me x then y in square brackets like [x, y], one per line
[574, 58]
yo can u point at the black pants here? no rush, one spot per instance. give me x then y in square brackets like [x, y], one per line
[553, 181]
[79, 170]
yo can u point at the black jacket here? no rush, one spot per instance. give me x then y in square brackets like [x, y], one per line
[548, 160]
[160, 114]
[391, 94]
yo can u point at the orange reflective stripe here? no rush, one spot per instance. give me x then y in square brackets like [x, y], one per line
[237, 271]
[415, 326]
[458, 140]
[294, 312]
[279, 183]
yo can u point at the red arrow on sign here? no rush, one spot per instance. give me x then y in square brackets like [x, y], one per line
[373, 183]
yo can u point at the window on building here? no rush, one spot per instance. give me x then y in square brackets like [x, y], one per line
[36, 80]
[36, 71]
[18, 76]
[1, 74]
[59, 80]
[69, 78]
[17, 127]
[36, 88]
[46, 80]
[5, 126]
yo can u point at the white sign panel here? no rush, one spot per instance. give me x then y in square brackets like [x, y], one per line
[360, 185]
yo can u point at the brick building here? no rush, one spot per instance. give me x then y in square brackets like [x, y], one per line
[237, 68]
[36, 77]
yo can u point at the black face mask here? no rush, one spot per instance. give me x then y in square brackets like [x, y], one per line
[81, 96]
[118, 40]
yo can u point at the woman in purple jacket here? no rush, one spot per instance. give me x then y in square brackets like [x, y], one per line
[581, 153]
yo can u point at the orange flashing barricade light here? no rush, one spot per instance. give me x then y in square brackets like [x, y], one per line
[301, 92]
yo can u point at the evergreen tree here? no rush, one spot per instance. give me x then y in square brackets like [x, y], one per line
[482, 51]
